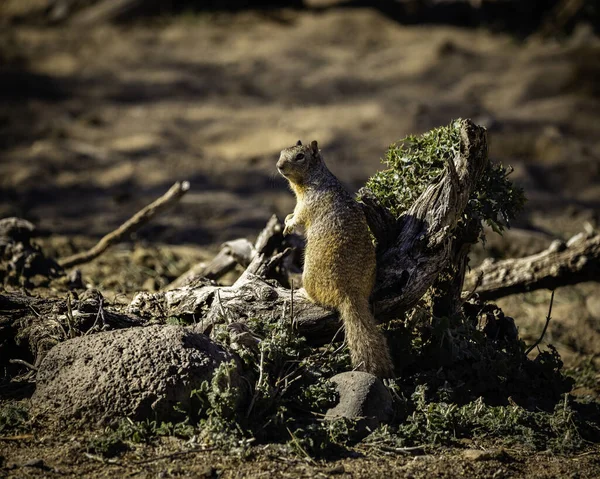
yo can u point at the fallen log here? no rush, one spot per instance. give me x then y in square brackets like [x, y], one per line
[561, 264]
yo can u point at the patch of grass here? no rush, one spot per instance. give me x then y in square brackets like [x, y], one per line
[455, 383]
[115, 440]
[442, 423]
[107, 444]
[14, 418]
[288, 390]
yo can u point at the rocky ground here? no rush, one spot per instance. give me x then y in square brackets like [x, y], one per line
[96, 123]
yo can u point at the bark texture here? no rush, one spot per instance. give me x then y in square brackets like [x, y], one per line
[559, 265]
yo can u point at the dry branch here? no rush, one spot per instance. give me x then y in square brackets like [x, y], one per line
[548, 318]
[239, 251]
[106, 11]
[133, 224]
[560, 265]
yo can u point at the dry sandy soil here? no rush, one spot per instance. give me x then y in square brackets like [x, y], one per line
[96, 123]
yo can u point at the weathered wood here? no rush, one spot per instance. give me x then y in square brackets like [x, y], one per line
[232, 253]
[559, 265]
[446, 291]
[250, 297]
[239, 251]
[413, 261]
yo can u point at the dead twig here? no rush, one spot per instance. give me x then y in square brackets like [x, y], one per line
[300, 448]
[99, 315]
[408, 451]
[292, 305]
[134, 223]
[23, 363]
[534, 345]
[70, 318]
[259, 382]
[466, 297]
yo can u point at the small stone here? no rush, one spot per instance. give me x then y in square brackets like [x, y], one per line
[485, 455]
[363, 398]
[207, 472]
[39, 463]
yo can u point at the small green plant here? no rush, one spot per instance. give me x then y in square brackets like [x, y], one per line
[418, 161]
[13, 418]
[107, 444]
[116, 440]
[432, 423]
[290, 382]
[175, 321]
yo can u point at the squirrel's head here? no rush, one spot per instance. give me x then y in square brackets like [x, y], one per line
[297, 162]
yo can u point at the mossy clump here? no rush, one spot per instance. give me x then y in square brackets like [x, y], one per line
[415, 162]
[464, 358]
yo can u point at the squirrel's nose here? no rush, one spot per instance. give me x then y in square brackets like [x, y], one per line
[280, 164]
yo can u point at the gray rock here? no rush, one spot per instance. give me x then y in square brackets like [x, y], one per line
[363, 398]
[141, 373]
[593, 306]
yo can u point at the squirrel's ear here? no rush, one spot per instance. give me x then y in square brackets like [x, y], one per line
[314, 147]
[299, 143]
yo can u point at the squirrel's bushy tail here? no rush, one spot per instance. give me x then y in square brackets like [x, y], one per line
[368, 346]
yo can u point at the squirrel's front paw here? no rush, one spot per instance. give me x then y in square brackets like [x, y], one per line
[289, 225]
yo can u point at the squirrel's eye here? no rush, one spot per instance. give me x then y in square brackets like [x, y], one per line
[299, 156]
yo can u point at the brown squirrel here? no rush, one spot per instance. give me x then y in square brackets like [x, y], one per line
[339, 263]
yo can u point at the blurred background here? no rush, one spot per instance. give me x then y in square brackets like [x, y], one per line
[105, 103]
